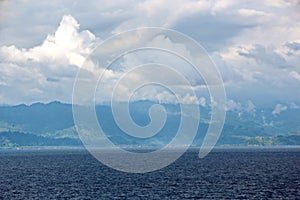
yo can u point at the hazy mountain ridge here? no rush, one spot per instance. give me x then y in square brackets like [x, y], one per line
[52, 125]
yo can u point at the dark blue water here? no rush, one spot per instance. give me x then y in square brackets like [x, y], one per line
[223, 174]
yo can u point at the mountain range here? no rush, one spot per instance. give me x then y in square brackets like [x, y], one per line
[52, 124]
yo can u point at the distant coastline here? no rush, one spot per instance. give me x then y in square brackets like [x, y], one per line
[216, 148]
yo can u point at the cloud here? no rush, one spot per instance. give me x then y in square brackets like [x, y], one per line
[294, 106]
[247, 107]
[295, 75]
[107, 17]
[205, 29]
[67, 46]
[259, 69]
[45, 72]
[281, 3]
[190, 99]
[233, 106]
[161, 95]
[157, 10]
[199, 19]
[239, 35]
[295, 46]
[278, 109]
[265, 55]
[251, 12]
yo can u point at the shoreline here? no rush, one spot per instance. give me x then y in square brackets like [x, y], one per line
[215, 149]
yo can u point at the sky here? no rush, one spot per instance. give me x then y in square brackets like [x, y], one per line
[254, 44]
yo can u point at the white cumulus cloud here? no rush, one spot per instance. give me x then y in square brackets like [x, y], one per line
[67, 46]
[45, 72]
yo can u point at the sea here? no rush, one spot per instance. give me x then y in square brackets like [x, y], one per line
[225, 173]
